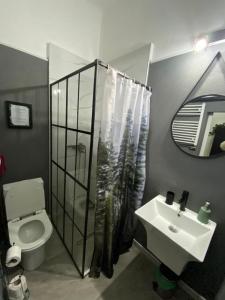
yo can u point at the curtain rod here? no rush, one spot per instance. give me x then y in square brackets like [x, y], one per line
[124, 75]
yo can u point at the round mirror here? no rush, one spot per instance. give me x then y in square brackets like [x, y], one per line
[198, 127]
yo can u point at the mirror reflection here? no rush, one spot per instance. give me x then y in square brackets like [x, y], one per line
[198, 128]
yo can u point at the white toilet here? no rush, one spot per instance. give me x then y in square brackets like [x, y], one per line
[28, 223]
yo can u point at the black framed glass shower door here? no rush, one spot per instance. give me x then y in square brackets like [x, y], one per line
[72, 104]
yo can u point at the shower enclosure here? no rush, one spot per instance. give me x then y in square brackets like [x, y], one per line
[73, 105]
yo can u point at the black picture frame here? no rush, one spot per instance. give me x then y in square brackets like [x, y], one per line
[18, 123]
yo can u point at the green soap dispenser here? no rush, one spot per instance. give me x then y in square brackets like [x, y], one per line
[204, 213]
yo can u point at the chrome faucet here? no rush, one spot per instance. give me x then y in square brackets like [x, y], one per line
[183, 200]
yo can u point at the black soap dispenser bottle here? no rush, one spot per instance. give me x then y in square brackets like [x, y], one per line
[169, 197]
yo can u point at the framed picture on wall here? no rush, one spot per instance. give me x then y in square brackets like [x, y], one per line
[19, 115]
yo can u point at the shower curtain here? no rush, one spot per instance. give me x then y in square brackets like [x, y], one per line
[120, 168]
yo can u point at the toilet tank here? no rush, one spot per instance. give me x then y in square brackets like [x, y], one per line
[23, 197]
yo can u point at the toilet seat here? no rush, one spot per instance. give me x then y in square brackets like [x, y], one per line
[30, 232]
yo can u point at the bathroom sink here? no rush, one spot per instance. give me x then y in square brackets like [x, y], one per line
[175, 238]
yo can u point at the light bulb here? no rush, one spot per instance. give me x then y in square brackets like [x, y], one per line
[201, 44]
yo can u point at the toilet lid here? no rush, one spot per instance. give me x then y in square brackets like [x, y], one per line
[23, 197]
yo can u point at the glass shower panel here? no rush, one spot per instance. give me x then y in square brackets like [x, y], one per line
[55, 143]
[89, 252]
[90, 234]
[77, 247]
[70, 195]
[71, 151]
[62, 103]
[86, 100]
[68, 233]
[57, 215]
[54, 210]
[83, 151]
[71, 129]
[72, 102]
[55, 90]
[60, 195]
[61, 147]
[54, 179]
[91, 218]
[80, 207]
[59, 223]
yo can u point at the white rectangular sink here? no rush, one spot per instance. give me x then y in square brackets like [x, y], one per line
[183, 237]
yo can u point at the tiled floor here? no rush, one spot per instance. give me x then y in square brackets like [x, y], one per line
[57, 279]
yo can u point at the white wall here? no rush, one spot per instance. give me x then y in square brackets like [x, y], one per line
[172, 25]
[108, 28]
[135, 64]
[62, 62]
[72, 24]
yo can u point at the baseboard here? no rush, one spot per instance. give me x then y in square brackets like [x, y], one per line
[192, 293]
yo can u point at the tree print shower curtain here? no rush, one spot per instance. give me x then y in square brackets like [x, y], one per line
[121, 159]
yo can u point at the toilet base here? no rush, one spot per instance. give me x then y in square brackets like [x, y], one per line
[31, 260]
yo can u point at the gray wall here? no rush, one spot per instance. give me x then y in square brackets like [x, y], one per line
[168, 168]
[24, 78]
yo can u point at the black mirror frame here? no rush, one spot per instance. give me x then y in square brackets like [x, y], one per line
[217, 57]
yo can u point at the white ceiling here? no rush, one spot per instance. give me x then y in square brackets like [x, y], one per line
[108, 28]
[172, 25]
